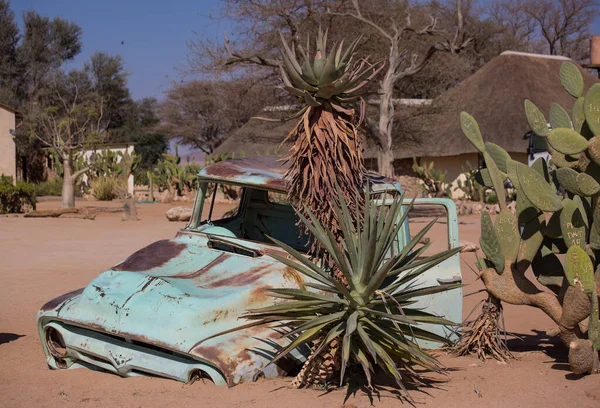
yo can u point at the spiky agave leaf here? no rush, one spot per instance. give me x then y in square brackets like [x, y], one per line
[376, 322]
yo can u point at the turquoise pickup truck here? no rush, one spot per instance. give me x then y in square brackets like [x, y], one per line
[148, 314]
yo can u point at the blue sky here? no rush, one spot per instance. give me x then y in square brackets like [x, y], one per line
[154, 33]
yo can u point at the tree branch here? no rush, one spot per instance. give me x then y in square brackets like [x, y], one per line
[79, 173]
[358, 15]
[235, 58]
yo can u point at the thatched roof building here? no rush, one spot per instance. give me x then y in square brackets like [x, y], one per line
[494, 95]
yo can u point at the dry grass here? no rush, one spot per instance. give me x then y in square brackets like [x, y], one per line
[484, 336]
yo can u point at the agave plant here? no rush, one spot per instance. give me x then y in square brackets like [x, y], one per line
[327, 149]
[374, 317]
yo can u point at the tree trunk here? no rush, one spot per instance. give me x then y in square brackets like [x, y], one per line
[385, 156]
[68, 186]
[385, 162]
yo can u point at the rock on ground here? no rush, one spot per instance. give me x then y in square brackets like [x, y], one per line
[179, 214]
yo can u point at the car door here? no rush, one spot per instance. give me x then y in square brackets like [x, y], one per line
[443, 235]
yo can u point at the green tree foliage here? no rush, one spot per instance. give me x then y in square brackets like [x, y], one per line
[32, 74]
[9, 38]
[45, 45]
[109, 81]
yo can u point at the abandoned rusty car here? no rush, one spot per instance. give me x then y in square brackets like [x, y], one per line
[148, 314]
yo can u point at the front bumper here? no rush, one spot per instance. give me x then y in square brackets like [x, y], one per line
[67, 346]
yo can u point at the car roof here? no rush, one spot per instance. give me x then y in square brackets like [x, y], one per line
[268, 172]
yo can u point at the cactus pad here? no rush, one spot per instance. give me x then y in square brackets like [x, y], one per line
[572, 225]
[500, 156]
[482, 177]
[536, 119]
[541, 167]
[507, 231]
[497, 179]
[562, 160]
[583, 205]
[537, 190]
[587, 185]
[594, 238]
[471, 130]
[567, 178]
[553, 229]
[592, 109]
[579, 269]
[559, 118]
[566, 141]
[578, 114]
[571, 79]
[594, 149]
[531, 239]
[490, 244]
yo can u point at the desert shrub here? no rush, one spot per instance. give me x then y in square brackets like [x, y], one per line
[54, 188]
[48, 188]
[15, 198]
[108, 188]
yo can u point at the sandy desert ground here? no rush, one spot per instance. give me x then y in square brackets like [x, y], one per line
[43, 258]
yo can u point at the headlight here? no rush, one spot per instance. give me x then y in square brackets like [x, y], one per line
[56, 343]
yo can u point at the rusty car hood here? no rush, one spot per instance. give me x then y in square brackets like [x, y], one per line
[174, 293]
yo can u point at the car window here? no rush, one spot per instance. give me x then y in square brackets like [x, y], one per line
[251, 214]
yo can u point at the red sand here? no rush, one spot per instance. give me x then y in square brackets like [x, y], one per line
[44, 258]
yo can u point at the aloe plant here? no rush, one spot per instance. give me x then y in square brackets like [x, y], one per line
[547, 224]
[374, 316]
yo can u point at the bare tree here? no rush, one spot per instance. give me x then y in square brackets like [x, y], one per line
[258, 23]
[401, 65]
[66, 127]
[202, 113]
[514, 27]
[564, 25]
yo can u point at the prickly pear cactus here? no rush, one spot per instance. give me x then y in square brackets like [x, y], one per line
[547, 223]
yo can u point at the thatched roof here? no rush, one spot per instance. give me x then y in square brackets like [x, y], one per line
[494, 95]
[259, 136]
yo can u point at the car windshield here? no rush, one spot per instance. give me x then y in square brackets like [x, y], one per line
[249, 213]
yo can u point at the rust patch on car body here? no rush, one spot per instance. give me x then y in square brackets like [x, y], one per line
[152, 256]
[59, 301]
[241, 279]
